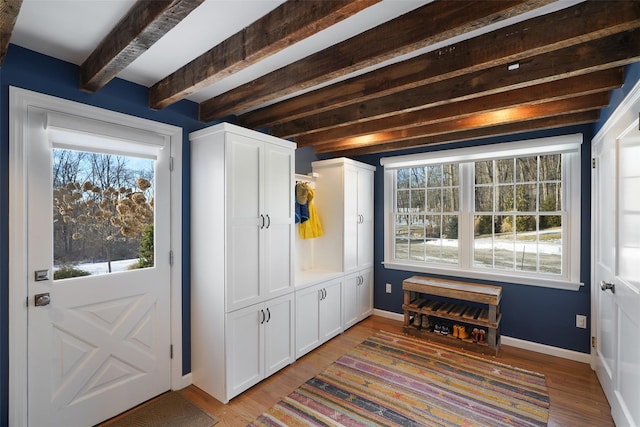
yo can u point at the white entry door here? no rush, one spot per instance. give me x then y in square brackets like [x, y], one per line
[616, 259]
[99, 326]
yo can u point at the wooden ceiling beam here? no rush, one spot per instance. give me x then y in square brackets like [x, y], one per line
[601, 81]
[480, 133]
[476, 121]
[287, 24]
[601, 54]
[9, 10]
[580, 23]
[429, 24]
[145, 23]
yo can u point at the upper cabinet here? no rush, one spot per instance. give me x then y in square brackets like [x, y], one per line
[242, 213]
[344, 200]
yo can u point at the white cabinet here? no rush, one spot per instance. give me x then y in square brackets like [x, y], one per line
[357, 297]
[344, 201]
[242, 231]
[259, 228]
[318, 315]
[259, 343]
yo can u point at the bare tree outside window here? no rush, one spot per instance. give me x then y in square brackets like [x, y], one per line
[102, 208]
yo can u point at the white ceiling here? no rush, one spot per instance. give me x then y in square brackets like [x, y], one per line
[71, 29]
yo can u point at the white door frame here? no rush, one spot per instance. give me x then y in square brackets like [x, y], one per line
[620, 123]
[20, 100]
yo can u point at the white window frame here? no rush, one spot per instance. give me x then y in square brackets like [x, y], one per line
[568, 145]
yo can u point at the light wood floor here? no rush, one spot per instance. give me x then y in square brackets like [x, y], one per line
[575, 393]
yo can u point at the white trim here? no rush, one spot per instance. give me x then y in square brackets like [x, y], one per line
[19, 102]
[625, 107]
[554, 144]
[567, 145]
[546, 349]
[513, 342]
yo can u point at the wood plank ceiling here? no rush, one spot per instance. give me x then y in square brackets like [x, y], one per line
[549, 71]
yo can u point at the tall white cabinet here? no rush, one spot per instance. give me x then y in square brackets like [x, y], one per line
[344, 200]
[242, 272]
[334, 287]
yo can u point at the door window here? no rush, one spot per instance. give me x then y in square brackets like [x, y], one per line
[103, 213]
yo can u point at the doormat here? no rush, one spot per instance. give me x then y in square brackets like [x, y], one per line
[169, 410]
[396, 380]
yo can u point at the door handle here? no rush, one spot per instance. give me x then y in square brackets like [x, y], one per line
[606, 285]
[41, 300]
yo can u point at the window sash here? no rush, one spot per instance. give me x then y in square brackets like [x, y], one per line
[568, 145]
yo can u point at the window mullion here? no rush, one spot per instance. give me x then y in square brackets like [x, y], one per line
[465, 231]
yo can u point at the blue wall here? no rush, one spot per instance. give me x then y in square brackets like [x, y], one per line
[29, 70]
[531, 313]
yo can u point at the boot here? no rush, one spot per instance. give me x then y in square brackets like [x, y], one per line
[462, 332]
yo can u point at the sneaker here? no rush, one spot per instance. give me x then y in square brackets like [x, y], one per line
[444, 330]
[437, 328]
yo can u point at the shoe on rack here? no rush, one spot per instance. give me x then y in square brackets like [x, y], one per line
[481, 336]
[455, 331]
[444, 330]
[462, 332]
[437, 328]
[426, 325]
[416, 320]
[475, 334]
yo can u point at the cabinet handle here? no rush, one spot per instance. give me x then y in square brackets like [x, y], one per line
[263, 317]
[268, 221]
[262, 218]
[321, 292]
[268, 315]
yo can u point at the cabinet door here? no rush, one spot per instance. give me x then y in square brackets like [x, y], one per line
[244, 186]
[307, 319]
[279, 221]
[350, 309]
[278, 330]
[365, 294]
[245, 341]
[351, 218]
[331, 310]
[365, 216]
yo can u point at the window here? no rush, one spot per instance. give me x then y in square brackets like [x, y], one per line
[505, 212]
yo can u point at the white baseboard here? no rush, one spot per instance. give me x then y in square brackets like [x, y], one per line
[186, 380]
[514, 342]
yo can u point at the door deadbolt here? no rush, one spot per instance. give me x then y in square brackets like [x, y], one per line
[42, 299]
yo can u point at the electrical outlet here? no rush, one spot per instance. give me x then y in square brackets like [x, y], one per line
[388, 288]
[581, 321]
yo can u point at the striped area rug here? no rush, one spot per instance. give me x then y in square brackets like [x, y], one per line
[396, 380]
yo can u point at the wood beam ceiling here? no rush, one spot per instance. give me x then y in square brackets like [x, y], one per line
[145, 23]
[432, 23]
[567, 27]
[289, 23]
[9, 10]
[484, 132]
[598, 82]
[600, 54]
[475, 122]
